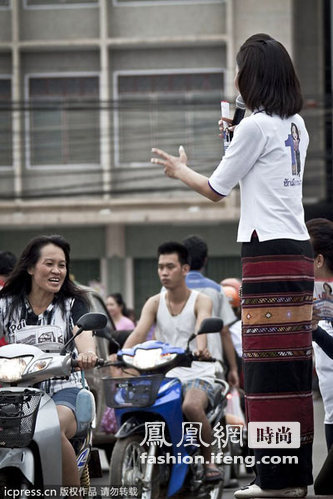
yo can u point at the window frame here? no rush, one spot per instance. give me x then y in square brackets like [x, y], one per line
[6, 7]
[151, 3]
[6, 168]
[26, 6]
[57, 167]
[134, 72]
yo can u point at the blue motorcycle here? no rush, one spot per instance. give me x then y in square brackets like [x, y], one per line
[152, 452]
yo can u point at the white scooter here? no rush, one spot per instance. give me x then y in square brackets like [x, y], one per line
[30, 440]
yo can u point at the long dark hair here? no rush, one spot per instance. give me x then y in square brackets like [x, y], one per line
[118, 298]
[18, 285]
[266, 77]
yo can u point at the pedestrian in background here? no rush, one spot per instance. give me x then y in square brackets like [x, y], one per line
[217, 344]
[277, 284]
[321, 233]
[117, 309]
[7, 264]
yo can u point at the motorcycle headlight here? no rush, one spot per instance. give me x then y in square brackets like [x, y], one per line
[11, 370]
[148, 359]
[39, 365]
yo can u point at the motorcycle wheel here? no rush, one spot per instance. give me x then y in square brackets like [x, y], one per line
[127, 469]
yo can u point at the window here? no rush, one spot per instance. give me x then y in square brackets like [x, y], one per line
[146, 281]
[165, 110]
[58, 3]
[5, 123]
[63, 122]
[162, 2]
[85, 271]
[219, 268]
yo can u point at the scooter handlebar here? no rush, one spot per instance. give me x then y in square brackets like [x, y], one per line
[113, 363]
[197, 357]
[99, 363]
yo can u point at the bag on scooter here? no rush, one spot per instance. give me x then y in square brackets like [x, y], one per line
[234, 407]
[109, 423]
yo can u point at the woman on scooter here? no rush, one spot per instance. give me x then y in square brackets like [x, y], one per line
[40, 292]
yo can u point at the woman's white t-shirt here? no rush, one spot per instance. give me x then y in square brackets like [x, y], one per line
[267, 157]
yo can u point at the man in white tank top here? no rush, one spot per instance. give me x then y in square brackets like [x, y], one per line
[177, 312]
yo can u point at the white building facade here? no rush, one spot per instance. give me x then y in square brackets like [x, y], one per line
[88, 87]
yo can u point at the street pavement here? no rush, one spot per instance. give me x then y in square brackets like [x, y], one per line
[319, 455]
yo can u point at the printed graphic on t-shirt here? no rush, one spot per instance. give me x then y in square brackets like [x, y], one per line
[323, 299]
[48, 338]
[293, 141]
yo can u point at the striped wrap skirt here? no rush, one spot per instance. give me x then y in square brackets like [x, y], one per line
[277, 296]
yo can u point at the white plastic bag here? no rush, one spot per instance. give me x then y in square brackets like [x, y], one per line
[234, 406]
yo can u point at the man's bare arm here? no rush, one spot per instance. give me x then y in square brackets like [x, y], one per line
[203, 309]
[147, 319]
[229, 350]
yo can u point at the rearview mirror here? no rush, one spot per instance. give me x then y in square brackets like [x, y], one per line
[104, 332]
[91, 321]
[87, 322]
[210, 325]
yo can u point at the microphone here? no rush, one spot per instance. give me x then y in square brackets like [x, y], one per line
[239, 112]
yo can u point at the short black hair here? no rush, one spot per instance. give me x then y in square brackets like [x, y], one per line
[267, 78]
[198, 251]
[174, 247]
[321, 233]
[7, 262]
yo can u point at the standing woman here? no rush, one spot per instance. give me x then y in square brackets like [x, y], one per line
[118, 311]
[39, 292]
[321, 233]
[277, 262]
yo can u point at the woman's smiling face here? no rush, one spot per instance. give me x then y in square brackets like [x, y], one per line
[49, 273]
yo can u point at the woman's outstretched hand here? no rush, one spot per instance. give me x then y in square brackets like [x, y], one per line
[172, 164]
[176, 167]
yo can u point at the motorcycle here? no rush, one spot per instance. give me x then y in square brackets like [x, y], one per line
[140, 402]
[30, 439]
